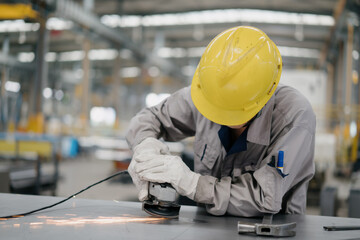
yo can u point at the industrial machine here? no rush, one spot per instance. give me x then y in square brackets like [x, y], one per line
[162, 201]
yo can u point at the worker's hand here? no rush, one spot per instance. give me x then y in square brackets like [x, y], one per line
[170, 169]
[148, 147]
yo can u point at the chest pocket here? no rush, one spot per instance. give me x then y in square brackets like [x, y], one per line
[205, 156]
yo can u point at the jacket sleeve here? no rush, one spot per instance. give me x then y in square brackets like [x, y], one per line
[262, 191]
[172, 119]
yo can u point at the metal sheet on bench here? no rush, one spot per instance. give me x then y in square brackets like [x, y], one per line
[97, 219]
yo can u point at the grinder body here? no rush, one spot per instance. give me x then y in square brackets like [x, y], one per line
[162, 201]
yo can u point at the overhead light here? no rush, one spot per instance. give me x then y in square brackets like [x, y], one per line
[58, 24]
[195, 51]
[299, 52]
[26, 56]
[130, 72]
[11, 86]
[94, 54]
[47, 93]
[103, 54]
[198, 51]
[165, 52]
[218, 16]
[18, 26]
[353, 129]
[102, 116]
[114, 21]
[22, 26]
[355, 54]
[71, 56]
[110, 20]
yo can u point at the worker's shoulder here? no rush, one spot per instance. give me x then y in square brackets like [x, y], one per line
[181, 97]
[287, 94]
[294, 106]
[184, 92]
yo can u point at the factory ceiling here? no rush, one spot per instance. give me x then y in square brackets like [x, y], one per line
[145, 7]
[178, 31]
[284, 21]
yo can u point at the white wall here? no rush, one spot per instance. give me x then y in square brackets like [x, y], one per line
[313, 85]
[310, 83]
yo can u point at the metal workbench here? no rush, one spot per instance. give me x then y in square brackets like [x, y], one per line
[97, 219]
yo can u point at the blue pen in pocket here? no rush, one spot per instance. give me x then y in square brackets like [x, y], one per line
[280, 162]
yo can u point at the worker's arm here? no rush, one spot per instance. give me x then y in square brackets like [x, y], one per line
[262, 191]
[173, 119]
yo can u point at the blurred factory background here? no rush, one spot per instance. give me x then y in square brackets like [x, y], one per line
[74, 72]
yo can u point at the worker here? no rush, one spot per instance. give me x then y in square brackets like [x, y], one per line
[254, 139]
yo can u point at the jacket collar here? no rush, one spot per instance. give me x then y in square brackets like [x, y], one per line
[238, 146]
[260, 129]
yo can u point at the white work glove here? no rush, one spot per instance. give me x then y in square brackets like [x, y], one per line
[170, 169]
[148, 147]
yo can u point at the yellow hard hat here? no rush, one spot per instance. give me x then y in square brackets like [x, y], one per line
[236, 76]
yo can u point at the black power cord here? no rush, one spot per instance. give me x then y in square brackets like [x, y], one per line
[66, 199]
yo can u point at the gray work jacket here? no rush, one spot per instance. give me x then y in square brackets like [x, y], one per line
[244, 183]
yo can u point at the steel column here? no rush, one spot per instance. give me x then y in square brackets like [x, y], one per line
[36, 118]
[85, 85]
[3, 96]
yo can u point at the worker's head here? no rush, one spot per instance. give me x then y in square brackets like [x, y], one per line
[236, 76]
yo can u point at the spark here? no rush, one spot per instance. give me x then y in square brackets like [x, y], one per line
[102, 220]
[36, 223]
[77, 222]
[45, 217]
[15, 216]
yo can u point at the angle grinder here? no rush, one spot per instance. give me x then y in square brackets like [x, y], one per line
[162, 201]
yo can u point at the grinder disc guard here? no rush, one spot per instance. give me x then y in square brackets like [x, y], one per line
[161, 201]
[159, 210]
